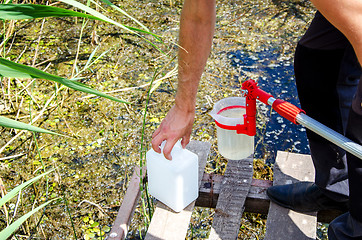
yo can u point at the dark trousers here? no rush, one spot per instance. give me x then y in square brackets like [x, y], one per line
[327, 81]
[326, 96]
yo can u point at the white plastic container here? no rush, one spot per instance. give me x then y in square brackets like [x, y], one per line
[175, 182]
[229, 112]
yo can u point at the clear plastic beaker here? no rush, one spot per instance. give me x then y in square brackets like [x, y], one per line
[229, 114]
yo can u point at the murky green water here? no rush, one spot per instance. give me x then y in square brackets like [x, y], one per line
[95, 163]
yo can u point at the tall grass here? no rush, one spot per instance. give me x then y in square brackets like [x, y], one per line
[8, 231]
[31, 11]
[13, 70]
[143, 184]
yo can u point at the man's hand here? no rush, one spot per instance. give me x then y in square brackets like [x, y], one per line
[196, 31]
[177, 124]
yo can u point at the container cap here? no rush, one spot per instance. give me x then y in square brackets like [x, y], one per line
[228, 104]
[176, 152]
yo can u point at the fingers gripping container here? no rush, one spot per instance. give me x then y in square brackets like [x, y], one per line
[175, 182]
[235, 140]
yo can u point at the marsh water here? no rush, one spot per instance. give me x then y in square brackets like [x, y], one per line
[253, 39]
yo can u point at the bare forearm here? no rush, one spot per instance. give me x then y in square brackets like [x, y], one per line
[195, 40]
[196, 32]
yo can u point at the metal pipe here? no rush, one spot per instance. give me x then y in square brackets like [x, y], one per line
[330, 135]
[297, 115]
[271, 101]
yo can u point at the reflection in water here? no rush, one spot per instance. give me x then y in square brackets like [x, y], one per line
[275, 76]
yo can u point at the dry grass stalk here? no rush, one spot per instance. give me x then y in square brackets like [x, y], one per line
[10, 157]
[37, 46]
[168, 75]
[45, 108]
[8, 34]
[3, 193]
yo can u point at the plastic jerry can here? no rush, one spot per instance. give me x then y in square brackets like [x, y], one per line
[175, 182]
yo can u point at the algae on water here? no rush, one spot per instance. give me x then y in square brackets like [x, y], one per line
[94, 165]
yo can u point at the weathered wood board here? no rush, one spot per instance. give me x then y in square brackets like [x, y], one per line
[257, 200]
[167, 224]
[129, 204]
[230, 205]
[283, 223]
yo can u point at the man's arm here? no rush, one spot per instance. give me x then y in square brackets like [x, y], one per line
[346, 15]
[195, 38]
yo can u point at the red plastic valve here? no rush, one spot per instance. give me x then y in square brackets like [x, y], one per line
[285, 109]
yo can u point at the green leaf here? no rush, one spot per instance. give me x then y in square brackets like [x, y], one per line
[124, 13]
[8, 231]
[10, 123]
[105, 18]
[17, 189]
[95, 224]
[31, 11]
[86, 219]
[95, 13]
[106, 228]
[6, 71]
[17, 70]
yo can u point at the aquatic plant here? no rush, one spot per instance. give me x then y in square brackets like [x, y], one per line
[9, 230]
[13, 70]
[95, 163]
[30, 11]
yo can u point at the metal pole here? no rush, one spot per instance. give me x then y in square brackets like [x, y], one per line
[330, 134]
[297, 115]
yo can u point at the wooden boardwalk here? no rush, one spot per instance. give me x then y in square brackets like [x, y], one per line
[231, 195]
[283, 223]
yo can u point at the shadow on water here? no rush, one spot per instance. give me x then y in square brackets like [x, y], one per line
[275, 76]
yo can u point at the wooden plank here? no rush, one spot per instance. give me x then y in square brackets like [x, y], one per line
[129, 203]
[209, 190]
[167, 224]
[230, 205]
[257, 200]
[283, 223]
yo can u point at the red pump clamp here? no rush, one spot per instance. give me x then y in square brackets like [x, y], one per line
[247, 128]
[285, 109]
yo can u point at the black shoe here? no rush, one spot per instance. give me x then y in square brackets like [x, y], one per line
[304, 197]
